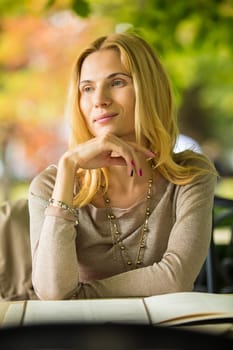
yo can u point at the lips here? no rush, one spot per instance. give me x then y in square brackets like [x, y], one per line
[104, 116]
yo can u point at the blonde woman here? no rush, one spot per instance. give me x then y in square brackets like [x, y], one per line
[121, 215]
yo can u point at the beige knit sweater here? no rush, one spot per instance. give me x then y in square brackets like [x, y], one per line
[81, 262]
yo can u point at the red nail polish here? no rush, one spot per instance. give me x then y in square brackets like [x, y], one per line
[132, 162]
[140, 172]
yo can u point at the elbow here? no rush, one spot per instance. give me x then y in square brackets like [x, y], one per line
[52, 292]
[48, 293]
[184, 286]
[180, 277]
[182, 282]
[178, 286]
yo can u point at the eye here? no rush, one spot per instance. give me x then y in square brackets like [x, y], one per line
[87, 89]
[118, 82]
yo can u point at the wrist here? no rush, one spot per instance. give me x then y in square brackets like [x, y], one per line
[67, 162]
[65, 180]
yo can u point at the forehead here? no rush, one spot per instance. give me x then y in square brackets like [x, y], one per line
[100, 64]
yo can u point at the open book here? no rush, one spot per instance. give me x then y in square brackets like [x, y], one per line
[169, 309]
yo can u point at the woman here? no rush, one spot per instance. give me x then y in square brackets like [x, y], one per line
[121, 215]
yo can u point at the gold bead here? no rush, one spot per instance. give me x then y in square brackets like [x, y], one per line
[113, 222]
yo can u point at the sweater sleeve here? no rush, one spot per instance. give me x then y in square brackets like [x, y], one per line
[185, 254]
[52, 236]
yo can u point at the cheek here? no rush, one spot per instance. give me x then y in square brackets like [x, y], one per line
[81, 104]
[84, 107]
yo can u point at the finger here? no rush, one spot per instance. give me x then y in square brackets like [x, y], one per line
[126, 153]
[142, 149]
[136, 149]
[131, 151]
[121, 150]
[136, 163]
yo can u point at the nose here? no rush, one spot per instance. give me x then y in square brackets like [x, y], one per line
[102, 97]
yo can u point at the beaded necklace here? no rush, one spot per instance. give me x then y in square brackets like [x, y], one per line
[116, 234]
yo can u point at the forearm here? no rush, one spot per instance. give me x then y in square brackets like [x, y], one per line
[176, 272]
[55, 267]
[167, 276]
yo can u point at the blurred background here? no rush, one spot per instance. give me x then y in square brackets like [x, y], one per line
[40, 39]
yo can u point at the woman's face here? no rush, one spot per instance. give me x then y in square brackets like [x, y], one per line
[107, 96]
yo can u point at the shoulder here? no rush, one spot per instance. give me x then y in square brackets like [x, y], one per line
[201, 175]
[198, 162]
[206, 174]
[42, 185]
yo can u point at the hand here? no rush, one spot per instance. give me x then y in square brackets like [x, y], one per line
[106, 151]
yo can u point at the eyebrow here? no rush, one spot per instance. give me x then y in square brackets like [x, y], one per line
[108, 77]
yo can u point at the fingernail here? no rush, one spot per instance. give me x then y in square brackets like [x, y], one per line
[140, 172]
[131, 174]
[132, 162]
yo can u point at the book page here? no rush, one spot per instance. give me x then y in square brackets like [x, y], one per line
[4, 305]
[179, 308]
[13, 314]
[86, 311]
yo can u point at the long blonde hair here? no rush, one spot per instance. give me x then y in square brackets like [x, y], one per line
[154, 117]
